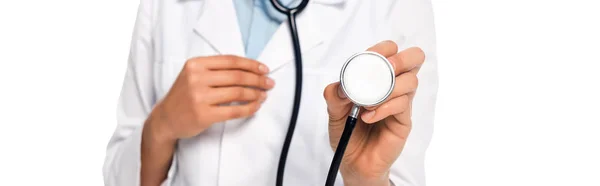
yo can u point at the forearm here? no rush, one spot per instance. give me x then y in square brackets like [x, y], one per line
[156, 155]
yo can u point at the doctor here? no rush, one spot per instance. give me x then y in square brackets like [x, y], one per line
[192, 61]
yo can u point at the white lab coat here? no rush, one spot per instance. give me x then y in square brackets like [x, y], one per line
[246, 151]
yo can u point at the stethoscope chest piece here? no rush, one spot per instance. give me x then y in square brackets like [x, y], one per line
[367, 78]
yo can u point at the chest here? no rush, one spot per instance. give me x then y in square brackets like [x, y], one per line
[328, 36]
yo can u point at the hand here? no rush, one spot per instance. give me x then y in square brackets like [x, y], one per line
[200, 96]
[382, 130]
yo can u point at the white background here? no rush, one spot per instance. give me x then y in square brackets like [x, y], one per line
[518, 100]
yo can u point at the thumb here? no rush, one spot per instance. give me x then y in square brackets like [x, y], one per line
[338, 105]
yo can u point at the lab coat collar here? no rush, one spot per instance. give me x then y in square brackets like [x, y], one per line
[327, 1]
[311, 1]
[219, 27]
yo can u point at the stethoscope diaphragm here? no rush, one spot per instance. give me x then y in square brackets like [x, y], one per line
[367, 78]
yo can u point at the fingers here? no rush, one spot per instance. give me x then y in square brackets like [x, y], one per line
[239, 78]
[403, 61]
[337, 103]
[405, 84]
[392, 107]
[385, 48]
[223, 113]
[235, 94]
[409, 59]
[231, 62]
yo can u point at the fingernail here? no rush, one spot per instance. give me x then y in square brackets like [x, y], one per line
[263, 68]
[368, 115]
[341, 94]
[269, 82]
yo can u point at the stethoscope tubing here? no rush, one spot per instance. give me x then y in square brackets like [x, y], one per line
[342, 144]
[291, 15]
[350, 122]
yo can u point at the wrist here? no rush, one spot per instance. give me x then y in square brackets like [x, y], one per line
[157, 151]
[355, 179]
[156, 130]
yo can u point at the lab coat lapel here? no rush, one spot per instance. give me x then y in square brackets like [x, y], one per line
[218, 25]
[279, 50]
[314, 27]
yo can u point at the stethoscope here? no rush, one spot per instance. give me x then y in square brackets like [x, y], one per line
[366, 78]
